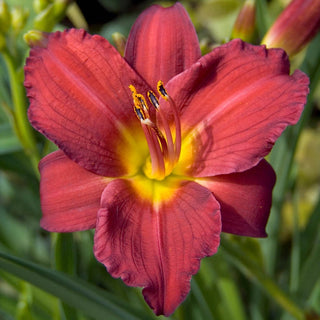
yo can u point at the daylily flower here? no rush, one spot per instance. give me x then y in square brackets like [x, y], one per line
[161, 150]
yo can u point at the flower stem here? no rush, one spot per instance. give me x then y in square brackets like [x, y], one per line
[254, 271]
[22, 126]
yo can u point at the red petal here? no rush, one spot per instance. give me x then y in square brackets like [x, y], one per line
[235, 103]
[162, 43]
[70, 195]
[78, 89]
[245, 199]
[157, 246]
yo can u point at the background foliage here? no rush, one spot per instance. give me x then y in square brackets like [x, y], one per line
[55, 276]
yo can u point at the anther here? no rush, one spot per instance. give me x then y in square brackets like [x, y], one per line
[164, 151]
[133, 89]
[139, 113]
[162, 91]
[153, 99]
[142, 101]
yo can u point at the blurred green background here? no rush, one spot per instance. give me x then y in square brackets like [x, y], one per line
[55, 276]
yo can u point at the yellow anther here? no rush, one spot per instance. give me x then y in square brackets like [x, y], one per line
[140, 104]
[162, 91]
[139, 113]
[141, 101]
[133, 89]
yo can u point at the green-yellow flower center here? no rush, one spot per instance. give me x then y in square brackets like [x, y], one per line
[163, 139]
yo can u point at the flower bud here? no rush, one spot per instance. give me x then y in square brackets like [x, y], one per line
[5, 17]
[51, 15]
[119, 41]
[45, 20]
[19, 17]
[295, 26]
[60, 7]
[244, 27]
[35, 38]
[40, 5]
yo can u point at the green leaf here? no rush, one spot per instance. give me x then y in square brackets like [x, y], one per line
[65, 253]
[198, 294]
[7, 306]
[4, 88]
[5, 316]
[115, 5]
[8, 140]
[310, 274]
[311, 231]
[283, 152]
[237, 255]
[9, 226]
[230, 296]
[77, 293]
[65, 262]
[19, 164]
[262, 18]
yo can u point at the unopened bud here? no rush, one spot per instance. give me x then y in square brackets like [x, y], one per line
[19, 17]
[244, 27]
[45, 20]
[51, 15]
[60, 7]
[295, 27]
[40, 5]
[5, 17]
[36, 38]
[119, 41]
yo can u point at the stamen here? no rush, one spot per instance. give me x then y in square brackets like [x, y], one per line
[153, 99]
[162, 90]
[164, 152]
[171, 153]
[161, 138]
[133, 89]
[156, 142]
[139, 113]
[157, 161]
[142, 101]
[178, 129]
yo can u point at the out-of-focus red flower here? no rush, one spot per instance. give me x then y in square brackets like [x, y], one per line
[159, 168]
[295, 26]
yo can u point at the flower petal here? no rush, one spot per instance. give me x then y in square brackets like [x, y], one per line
[162, 43]
[70, 195]
[157, 245]
[235, 102]
[245, 199]
[78, 89]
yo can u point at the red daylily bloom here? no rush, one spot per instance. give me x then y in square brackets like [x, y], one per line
[159, 179]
